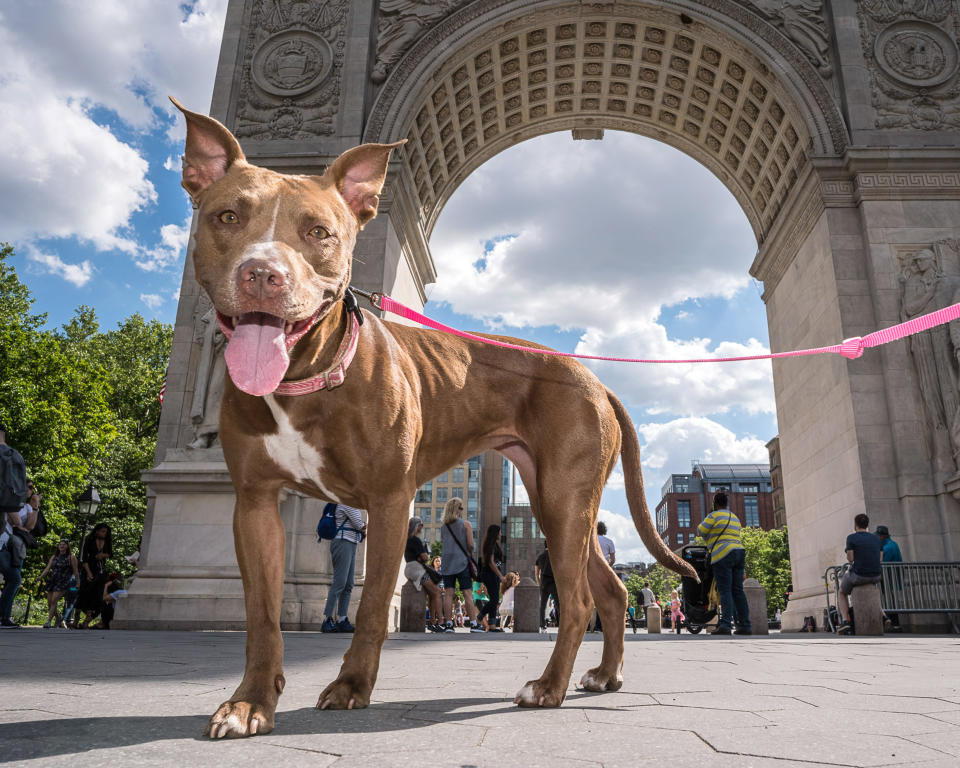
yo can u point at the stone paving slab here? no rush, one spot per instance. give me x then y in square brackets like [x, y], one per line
[143, 698]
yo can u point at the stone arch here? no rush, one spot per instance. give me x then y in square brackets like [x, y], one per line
[704, 83]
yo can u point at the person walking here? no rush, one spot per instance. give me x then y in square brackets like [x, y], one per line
[95, 550]
[61, 565]
[543, 573]
[891, 554]
[416, 556]
[456, 542]
[491, 576]
[865, 552]
[610, 555]
[343, 554]
[721, 530]
[13, 492]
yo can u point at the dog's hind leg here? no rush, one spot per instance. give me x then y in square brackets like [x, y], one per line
[260, 541]
[385, 542]
[568, 525]
[610, 597]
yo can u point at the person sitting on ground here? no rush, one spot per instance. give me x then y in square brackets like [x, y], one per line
[864, 550]
[61, 565]
[416, 556]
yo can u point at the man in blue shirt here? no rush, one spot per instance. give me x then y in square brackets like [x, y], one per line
[864, 552]
[891, 554]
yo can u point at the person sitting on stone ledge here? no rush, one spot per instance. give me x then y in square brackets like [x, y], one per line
[415, 556]
[864, 551]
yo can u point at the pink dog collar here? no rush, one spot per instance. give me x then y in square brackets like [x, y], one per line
[332, 377]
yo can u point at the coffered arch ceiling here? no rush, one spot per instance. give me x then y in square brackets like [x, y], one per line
[460, 97]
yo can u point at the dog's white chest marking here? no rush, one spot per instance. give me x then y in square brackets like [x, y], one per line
[291, 451]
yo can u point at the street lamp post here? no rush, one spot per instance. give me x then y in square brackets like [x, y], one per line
[87, 504]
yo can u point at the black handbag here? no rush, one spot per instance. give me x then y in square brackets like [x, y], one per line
[435, 577]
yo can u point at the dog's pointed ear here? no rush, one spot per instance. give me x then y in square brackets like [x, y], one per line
[359, 174]
[210, 151]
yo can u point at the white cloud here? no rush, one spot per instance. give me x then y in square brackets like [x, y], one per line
[615, 481]
[78, 274]
[173, 164]
[70, 72]
[153, 300]
[173, 244]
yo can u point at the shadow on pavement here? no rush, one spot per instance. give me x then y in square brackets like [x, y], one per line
[49, 737]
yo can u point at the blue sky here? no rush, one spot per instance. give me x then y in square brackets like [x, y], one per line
[620, 247]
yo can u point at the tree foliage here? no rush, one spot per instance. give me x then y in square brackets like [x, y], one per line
[662, 581]
[81, 406]
[768, 561]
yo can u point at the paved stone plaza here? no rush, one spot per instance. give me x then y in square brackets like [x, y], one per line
[143, 698]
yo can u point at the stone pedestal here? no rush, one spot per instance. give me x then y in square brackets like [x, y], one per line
[757, 602]
[413, 608]
[867, 610]
[526, 606]
[654, 620]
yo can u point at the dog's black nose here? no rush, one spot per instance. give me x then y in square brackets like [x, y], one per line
[261, 279]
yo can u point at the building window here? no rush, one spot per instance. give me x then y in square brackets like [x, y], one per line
[442, 478]
[691, 538]
[456, 475]
[749, 488]
[458, 492]
[442, 495]
[683, 514]
[439, 511]
[751, 512]
[515, 527]
[472, 493]
[679, 538]
[425, 514]
[679, 487]
[425, 493]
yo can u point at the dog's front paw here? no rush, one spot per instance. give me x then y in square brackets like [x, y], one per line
[538, 693]
[344, 693]
[236, 719]
[598, 682]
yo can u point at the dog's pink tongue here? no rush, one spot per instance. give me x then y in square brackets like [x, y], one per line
[256, 355]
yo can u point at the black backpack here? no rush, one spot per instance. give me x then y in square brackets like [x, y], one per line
[13, 480]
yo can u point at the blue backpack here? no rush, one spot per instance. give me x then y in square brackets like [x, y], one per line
[327, 527]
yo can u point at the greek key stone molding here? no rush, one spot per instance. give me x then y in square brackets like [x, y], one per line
[291, 69]
[908, 184]
[912, 57]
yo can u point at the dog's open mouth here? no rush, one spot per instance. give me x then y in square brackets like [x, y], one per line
[258, 348]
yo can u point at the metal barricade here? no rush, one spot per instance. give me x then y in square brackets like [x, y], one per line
[932, 587]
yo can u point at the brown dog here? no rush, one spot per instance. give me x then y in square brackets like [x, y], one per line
[274, 254]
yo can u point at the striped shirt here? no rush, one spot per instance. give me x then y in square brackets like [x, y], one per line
[721, 530]
[352, 521]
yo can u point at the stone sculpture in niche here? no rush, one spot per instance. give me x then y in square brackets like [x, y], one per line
[400, 23]
[803, 22]
[293, 57]
[924, 288]
[913, 62]
[208, 387]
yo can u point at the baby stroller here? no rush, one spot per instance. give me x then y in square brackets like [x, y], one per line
[696, 601]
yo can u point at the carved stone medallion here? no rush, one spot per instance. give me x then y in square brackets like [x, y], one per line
[916, 54]
[292, 63]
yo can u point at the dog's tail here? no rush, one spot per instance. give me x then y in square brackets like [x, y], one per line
[633, 479]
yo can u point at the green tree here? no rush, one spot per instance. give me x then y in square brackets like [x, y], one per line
[80, 405]
[768, 561]
[662, 581]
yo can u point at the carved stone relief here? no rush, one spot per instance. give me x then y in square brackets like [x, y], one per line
[803, 22]
[926, 286]
[911, 53]
[291, 70]
[399, 24]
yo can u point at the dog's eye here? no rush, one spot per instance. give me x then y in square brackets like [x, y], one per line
[320, 233]
[229, 217]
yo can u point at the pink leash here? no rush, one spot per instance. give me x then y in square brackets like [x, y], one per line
[851, 348]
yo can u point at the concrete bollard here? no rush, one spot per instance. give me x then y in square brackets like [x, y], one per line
[526, 606]
[413, 608]
[654, 620]
[757, 603]
[867, 610]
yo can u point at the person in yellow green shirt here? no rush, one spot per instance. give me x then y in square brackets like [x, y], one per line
[721, 530]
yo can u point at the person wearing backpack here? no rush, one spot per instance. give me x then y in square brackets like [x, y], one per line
[13, 494]
[350, 530]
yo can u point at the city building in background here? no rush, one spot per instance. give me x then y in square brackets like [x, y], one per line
[486, 484]
[776, 483]
[524, 539]
[687, 499]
